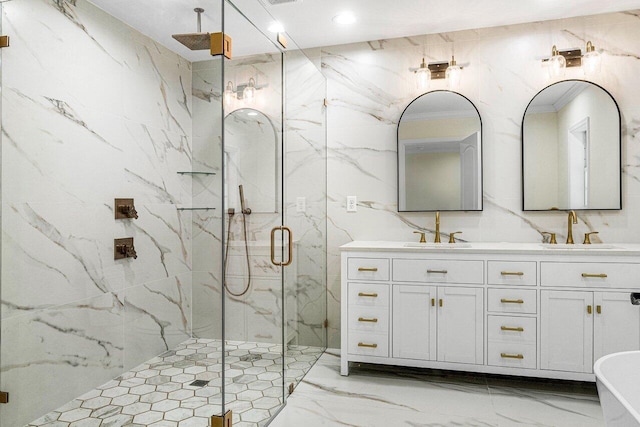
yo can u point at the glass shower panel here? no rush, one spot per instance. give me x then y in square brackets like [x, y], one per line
[305, 213]
[253, 238]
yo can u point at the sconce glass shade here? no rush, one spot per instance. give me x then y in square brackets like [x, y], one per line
[557, 64]
[249, 92]
[229, 95]
[453, 75]
[591, 60]
[423, 76]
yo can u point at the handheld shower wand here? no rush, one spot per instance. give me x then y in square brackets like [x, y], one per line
[243, 209]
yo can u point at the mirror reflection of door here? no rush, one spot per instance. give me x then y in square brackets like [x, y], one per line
[440, 154]
[571, 148]
[578, 150]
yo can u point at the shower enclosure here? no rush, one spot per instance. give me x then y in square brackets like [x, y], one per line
[219, 167]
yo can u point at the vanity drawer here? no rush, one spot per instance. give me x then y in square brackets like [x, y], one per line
[369, 319]
[368, 269]
[438, 271]
[512, 301]
[512, 355]
[589, 274]
[369, 344]
[368, 295]
[511, 273]
[512, 329]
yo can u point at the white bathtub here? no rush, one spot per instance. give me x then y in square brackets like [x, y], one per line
[618, 380]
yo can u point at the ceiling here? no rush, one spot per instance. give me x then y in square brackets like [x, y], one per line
[309, 22]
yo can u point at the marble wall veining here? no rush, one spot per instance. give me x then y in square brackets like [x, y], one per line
[369, 85]
[91, 110]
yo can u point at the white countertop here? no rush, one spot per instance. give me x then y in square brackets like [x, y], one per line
[626, 249]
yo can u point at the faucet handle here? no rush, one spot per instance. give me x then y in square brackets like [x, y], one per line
[552, 237]
[452, 236]
[422, 238]
[587, 239]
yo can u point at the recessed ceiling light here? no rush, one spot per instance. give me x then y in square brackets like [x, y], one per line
[276, 27]
[344, 18]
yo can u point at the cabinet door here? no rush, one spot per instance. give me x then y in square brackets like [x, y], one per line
[460, 325]
[414, 322]
[566, 337]
[616, 324]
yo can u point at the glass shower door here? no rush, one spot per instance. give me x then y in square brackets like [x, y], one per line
[256, 248]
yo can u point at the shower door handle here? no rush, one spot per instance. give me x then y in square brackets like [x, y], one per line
[273, 246]
[290, 244]
[282, 228]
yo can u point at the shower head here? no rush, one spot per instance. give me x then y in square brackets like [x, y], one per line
[195, 41]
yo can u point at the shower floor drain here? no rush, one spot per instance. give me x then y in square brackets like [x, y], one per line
[250, 358]
[199, 383]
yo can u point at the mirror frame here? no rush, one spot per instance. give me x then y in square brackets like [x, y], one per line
[481, 208]
[619, 146]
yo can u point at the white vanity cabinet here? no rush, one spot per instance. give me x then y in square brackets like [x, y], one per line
[513, 309]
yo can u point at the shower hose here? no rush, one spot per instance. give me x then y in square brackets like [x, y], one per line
[246, 251]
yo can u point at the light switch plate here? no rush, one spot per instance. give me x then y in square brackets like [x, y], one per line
[301, 204]
[352, 204]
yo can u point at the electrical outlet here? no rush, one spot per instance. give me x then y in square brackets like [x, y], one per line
[301, 204]
[352, 204]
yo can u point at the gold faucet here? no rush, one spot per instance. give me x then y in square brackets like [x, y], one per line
[573, 219]
[437, 240]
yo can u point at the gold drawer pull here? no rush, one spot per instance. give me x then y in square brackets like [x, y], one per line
[433, 302]
[507, 328]
[361, 344]
[437, 271]
[440, 302]
[367, 269]
[363, 319]
[512, 273]
[598, 309]
[364, 294]
[589, 309]
[511, 301]
[599, 276]
[511, 356]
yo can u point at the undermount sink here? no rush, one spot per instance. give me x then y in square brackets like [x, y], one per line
[595, 246]
[437, 245]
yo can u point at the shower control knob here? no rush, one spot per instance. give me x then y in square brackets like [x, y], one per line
[125, 209]
[123, 248]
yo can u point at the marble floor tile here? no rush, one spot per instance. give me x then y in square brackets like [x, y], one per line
[373, 396]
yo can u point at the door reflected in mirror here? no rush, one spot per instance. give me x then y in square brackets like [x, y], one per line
[250, 150]
[440, 154]
[571, 149]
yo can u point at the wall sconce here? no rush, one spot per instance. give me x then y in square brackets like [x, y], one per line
[450, 71]
[245, 91]
[566, 58]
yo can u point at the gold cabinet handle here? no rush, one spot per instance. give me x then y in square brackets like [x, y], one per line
[599, 309]
[589, 309]
[361, 344]
[433, 302]
[364, 294]
[512, 273]
[437, 271]
[367, 269]
[507, 328]
[364, 319]
[440, 302]
[511, 301]
[511, 356]
[600, 276]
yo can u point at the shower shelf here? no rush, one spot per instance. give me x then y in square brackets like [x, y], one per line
[196, 209]
[196, 173]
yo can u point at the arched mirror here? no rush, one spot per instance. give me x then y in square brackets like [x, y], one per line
[571, 149]
[440, 154]
[250, 148]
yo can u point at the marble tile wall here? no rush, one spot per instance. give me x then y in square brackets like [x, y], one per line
[91, 110]
[369, 85]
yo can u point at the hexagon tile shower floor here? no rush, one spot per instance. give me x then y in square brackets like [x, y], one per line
[161, 392]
